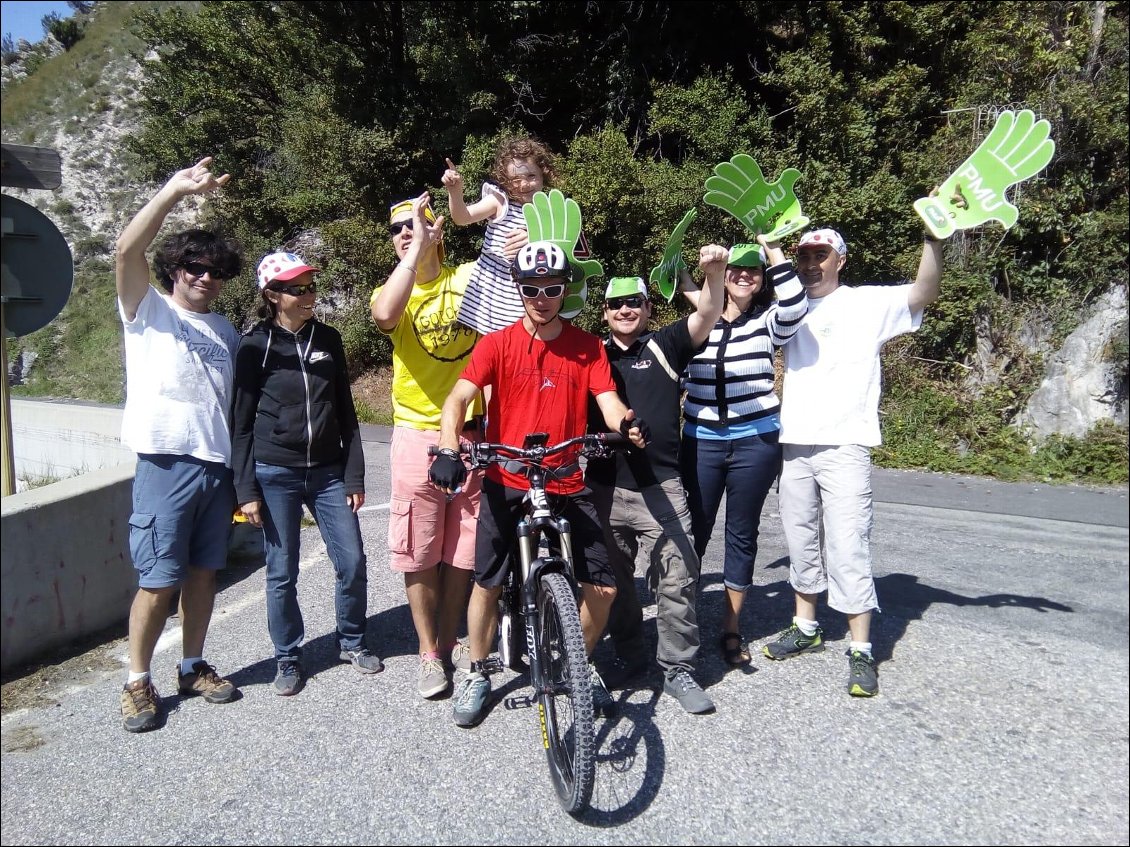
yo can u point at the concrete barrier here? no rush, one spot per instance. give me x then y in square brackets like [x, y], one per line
[67, 572]
[66, 565]
[55, 440]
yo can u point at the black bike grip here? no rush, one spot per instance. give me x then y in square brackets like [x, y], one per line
[434, 449]
[615, 440]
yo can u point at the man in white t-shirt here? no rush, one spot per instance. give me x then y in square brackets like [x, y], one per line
[829, 423]
[179, 357]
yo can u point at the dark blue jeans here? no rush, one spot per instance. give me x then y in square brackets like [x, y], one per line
[321, 489]
[745, 469]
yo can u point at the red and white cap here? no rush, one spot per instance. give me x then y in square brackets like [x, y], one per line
[281, 267]
[824, 238]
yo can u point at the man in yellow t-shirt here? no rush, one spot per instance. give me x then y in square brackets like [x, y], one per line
[431, 538]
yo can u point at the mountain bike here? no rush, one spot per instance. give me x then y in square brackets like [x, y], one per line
[540, 599]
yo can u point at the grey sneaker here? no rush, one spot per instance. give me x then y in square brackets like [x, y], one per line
[289, 680]
[141, 706]
[362, 660]
[793, 642]
[602, 702]
[682, 686]
[863, 678]
[461, 655]
[471, 700]
[431, 678]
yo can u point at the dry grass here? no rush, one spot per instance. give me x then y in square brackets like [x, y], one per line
[372, 394]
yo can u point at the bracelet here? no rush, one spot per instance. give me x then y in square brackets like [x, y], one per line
[449, 453]
[407, 267]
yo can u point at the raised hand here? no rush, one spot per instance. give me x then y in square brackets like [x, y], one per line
[739, 187]
[554, 217]
[1017, 149]
[452, 180]
[712, 258]
[424, 231]
[665, 275]
[198, 179]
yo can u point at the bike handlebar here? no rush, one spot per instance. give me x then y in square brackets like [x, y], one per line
[593, 445]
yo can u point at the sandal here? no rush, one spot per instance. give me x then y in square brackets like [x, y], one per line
[734, 649]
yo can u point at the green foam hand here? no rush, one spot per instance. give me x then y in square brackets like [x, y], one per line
[554, 217]
[1017, 149]
[769, 209]
[665, 275]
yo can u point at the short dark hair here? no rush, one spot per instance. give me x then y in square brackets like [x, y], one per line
[192, 245]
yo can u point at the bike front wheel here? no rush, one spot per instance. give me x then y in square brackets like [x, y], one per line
[565, 694]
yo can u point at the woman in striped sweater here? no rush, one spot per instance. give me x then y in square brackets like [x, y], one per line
[731, 420]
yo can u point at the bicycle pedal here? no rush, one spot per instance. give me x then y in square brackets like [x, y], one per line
[519, 701]
[489, 665]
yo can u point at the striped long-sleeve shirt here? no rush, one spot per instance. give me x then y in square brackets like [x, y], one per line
[730, 381]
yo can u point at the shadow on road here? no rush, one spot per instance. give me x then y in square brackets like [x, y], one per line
[630, 763]
[769, 608]
[904, 598]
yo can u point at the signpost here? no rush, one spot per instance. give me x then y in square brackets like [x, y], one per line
[37, 270]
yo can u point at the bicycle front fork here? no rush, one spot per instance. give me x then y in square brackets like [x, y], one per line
[531, 568]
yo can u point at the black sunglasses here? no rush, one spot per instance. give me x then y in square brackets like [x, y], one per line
[394, 229]
[532, 292]
[633, 301]
[198, 270]
[296, 290]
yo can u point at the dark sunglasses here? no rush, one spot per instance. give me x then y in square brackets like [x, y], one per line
[394, 229]
[198, 270]
[634, 301]
[532, 292]
[296, 290]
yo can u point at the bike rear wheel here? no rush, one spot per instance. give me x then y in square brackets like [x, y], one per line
[565, 695]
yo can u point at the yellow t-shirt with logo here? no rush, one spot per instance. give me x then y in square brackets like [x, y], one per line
[429, 348]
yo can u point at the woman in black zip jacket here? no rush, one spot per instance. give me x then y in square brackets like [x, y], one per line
[295, 441]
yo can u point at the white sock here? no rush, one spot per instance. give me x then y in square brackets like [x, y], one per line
[186, 664]
[134, 676]
[860, 646]
[807, 627]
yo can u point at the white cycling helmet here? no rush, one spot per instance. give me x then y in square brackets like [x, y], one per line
[540, 259]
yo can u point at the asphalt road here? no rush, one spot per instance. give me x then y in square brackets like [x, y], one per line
[1002, 717]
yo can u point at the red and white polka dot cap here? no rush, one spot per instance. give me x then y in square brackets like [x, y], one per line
[824, 238]
[281, 267]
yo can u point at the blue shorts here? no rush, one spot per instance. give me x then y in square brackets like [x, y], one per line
[182, 515]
